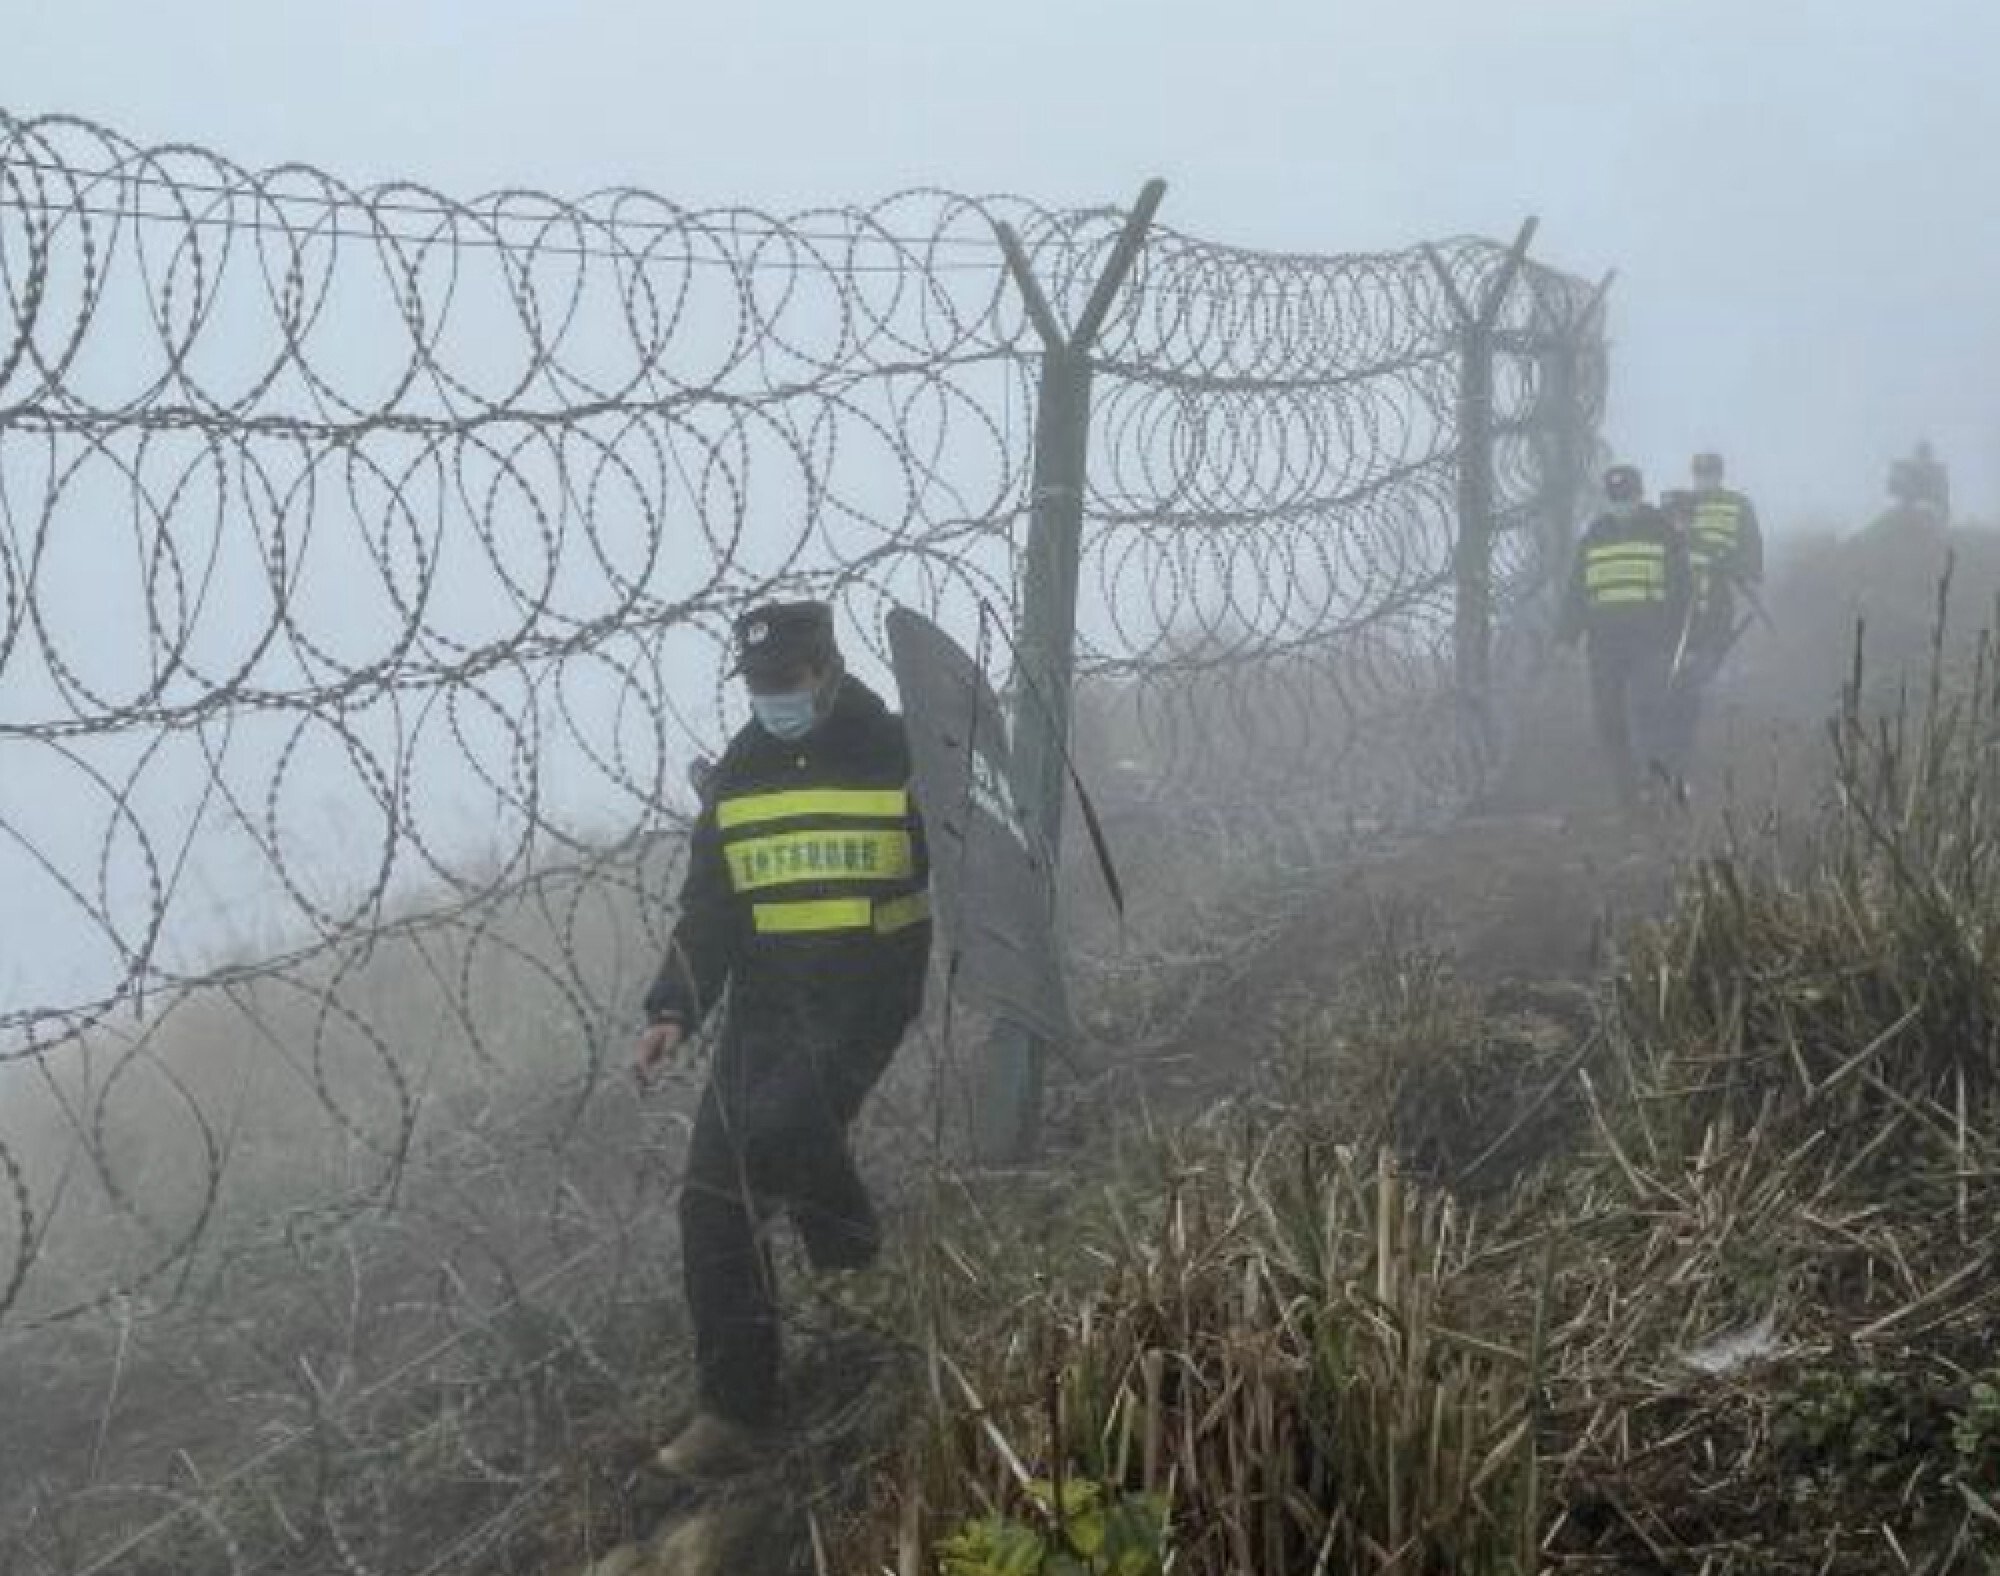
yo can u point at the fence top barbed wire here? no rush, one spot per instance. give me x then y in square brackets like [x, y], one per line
[1196, 309]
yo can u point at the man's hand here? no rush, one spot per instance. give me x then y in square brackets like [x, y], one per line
[659, 1042]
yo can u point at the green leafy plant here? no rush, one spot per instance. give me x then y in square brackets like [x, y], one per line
[1864, 1422]
[1085, 1530]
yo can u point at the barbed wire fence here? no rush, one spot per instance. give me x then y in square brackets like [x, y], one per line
[367, 558]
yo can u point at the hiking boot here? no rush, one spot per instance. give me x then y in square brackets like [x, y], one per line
[711, 1446]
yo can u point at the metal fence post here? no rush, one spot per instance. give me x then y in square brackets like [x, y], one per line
[1046, 637]
[1007, 1081]
[1472, 556]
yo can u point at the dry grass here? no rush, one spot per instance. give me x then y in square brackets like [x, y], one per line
[1277, 1339]
[1738, 1318]
[1801, 1144]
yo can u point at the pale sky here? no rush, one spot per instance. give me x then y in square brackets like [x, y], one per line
[1794, 194]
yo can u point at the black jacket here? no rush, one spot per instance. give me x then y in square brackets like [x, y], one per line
[1661, 620]
[765, 871]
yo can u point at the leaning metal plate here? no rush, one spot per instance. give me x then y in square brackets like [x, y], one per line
[990, 880]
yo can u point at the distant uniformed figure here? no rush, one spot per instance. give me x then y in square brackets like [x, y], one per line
[1725, 548]
[1921, 483]
[805, 900]
[1629, 599]
[1726, 557]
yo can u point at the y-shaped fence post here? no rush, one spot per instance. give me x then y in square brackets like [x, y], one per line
[1007, 1089]
[1472, 560]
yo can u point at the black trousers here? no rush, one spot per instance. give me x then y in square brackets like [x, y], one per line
[771, 1137]
[1630, 700]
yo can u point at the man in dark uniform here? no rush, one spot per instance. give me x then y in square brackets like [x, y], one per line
[1725, 543]
[805, 898]
[1630, 593]
[1726, 557]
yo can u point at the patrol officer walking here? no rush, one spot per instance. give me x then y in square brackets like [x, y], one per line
[1726, 557]
[805, 900]
[1630, 596]
[1725, 541]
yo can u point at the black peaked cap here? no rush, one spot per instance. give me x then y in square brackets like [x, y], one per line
[782, 637]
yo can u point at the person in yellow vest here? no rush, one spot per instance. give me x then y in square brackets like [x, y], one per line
[1629, 599]
[1726, 548]
[805, 900]
[1726, 555]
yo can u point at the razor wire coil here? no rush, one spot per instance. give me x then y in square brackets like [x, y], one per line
[367, 559]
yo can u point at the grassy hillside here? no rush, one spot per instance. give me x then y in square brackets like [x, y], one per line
[1737, 1314]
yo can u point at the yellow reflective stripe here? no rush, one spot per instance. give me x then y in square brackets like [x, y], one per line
[1626, 569]
[1640, 552]
[900, 913]
[1624, 594]
[1613, 581]
[756, 863]
[841, 913]
[1626, 582]
[834, 913]
[1622, 572]
[871, 803]
[1628, 591]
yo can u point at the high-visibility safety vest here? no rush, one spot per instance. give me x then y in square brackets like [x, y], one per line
[818, 861]
[1625, 574]
[1717, 530]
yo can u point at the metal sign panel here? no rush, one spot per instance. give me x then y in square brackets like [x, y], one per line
[991, 884]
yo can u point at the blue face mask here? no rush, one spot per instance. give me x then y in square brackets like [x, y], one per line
[789, 716]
